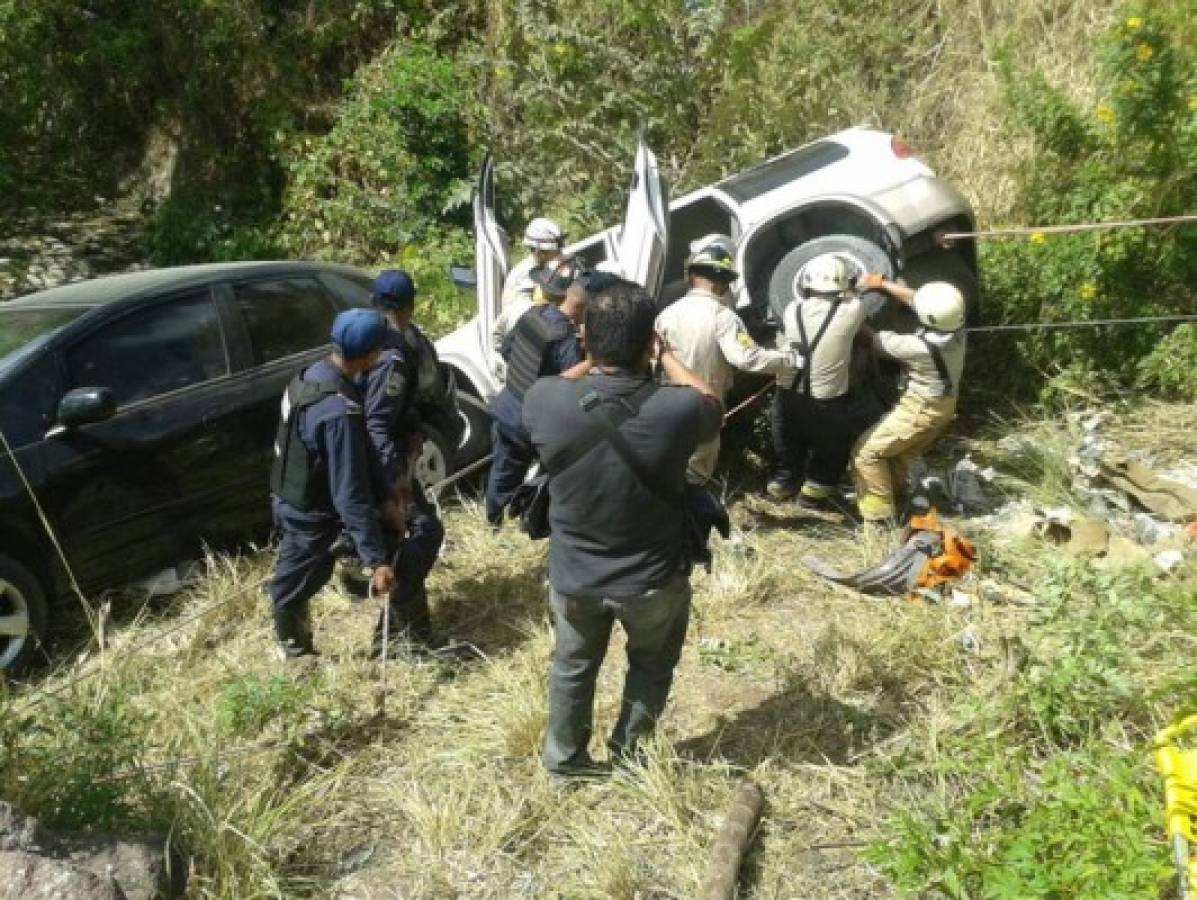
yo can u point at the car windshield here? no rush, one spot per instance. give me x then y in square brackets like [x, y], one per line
[27, 329]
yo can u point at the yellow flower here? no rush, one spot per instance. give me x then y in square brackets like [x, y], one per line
[1144, 52]
[560, 50]
[1134, 23]
[1088, 290]
[1105, 114]
[1038, 237]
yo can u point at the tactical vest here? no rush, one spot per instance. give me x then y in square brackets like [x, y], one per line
[297, 475]
[528, 348]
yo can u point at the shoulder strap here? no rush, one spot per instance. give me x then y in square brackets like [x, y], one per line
[940, 366]
[808, 350]
[609, 429]
[587, 397]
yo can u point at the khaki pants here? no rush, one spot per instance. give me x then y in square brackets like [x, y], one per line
[883, 455]
[701, 467]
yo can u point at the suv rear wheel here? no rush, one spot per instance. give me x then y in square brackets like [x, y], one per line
[22, 615]
[866, 255]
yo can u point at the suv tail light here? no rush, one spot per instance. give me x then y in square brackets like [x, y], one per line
[900, 147]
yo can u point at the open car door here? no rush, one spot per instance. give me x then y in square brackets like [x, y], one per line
[490, 253]
[640, 247]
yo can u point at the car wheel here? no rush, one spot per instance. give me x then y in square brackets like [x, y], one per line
[475, 436]
[435, 462]
[867, 256]
[944, 265]
[22, 615]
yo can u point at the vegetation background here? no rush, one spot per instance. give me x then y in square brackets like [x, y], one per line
[351, 129]
[997, 750]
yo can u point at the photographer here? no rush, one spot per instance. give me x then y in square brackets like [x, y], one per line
[617, 549]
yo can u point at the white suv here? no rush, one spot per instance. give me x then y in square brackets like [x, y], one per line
[860, 193]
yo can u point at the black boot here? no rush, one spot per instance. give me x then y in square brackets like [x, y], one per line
[293, 628]
[410, 623]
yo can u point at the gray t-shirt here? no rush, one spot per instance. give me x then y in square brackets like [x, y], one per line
[831, 363]
[611, 536]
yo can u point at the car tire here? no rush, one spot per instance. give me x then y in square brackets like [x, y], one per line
[475, 436]
[22, 609]
[867, 255]
[944, 265]
[435, 462]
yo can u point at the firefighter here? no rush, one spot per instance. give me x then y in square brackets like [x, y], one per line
[818, 417]
[709, 338]
[545, 241]
[543, 342]
[326, 476]
[395, 426]
[933, 360]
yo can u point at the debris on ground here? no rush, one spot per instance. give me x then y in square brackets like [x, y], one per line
[930, 559]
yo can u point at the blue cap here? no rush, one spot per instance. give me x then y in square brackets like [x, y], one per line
[394, 289]
[358, 332]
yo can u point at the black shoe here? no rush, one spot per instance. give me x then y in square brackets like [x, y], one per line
[293, 628]
[580, 772]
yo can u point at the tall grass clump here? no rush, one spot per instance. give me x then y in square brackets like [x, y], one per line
[1130, 153]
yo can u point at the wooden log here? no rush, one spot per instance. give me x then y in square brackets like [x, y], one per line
[732, 843]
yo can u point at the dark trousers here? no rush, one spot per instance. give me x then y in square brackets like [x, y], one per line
[514, 455]
[655, 623]
[414, 560]
[305, 562]
[813, 439]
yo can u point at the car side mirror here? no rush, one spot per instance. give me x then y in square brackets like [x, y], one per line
[85, 405]
[465, 279]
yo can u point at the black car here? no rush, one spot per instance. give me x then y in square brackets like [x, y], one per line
[142, 410]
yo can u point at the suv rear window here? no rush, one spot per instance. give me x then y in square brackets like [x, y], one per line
[152, 351]
[779, 172]
[284, 316]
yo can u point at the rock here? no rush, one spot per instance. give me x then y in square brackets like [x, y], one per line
[27, 876]
[135, 867]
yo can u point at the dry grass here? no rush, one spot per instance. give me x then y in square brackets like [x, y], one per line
[806, 687]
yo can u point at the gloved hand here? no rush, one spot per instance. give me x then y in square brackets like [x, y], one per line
[872, 281]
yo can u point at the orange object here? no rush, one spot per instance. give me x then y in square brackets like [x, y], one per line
[955, 561]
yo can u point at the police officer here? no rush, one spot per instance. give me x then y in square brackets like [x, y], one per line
[394, 424]
[709, 338]
[325, 476]
[543, 342]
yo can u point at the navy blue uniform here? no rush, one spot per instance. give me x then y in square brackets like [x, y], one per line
[392, 420]
[333, 431]
[513, 451]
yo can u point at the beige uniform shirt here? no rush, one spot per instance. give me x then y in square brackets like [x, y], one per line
[712, 342]
[831, 363]
[922, 377]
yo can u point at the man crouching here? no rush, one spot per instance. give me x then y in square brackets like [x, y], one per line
[616, 444]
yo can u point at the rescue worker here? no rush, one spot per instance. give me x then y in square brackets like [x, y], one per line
[543, 342]
[817, 418]
[326, 476]
[933, 359]
[394, 424]
[709, 338]
[544, 240]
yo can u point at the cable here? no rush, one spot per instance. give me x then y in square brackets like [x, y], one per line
[1081, 323]
[949, 238]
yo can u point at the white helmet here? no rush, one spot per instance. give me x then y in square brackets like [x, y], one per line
[715, 254]
[825, 274]
[543, 234]
[940, 306]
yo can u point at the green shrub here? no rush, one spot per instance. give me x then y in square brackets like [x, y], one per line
[1133, 155]
[1045, 788]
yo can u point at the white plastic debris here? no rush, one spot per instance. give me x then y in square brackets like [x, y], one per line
[964, 487]
[1150, 530]
[1168, 560]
